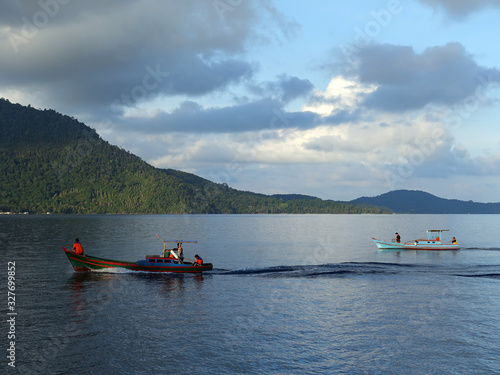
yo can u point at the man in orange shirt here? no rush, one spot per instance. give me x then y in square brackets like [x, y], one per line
[199, 261]
[77, 247]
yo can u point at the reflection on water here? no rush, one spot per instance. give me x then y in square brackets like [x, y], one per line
[99, 288]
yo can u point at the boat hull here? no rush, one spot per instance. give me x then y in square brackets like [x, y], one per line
[417, 245]
[86, 263]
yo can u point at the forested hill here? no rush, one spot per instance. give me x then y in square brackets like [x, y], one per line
[419, 202]
[53, 163]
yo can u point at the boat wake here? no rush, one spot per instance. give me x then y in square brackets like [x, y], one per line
[353, 269]
[339, 270]
[111, 270]
[482, 248]
[331, 269]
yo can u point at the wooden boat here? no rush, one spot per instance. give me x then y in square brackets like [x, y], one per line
[432, 242]
[152, 263]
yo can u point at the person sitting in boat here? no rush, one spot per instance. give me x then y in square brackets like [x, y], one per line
[454, 241]
[199, 261]
[398, 238]
[77, 247]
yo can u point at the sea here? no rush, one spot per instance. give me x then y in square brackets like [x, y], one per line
[289, 294]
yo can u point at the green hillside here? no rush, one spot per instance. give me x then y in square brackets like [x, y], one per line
[53, 163]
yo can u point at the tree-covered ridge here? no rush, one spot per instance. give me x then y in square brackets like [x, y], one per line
[53, 163]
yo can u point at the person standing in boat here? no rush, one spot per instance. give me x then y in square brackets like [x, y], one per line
[398, 238]
[179, 252]
[176, 252]
[77, 247]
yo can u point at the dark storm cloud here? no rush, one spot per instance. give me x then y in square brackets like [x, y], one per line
[10, 9]
[203, 76]
[190, 117]
[265, 112]
[462, 8]
[408, 80]
[285, 87]
[292, 87]
[17, 12]
[103, 53]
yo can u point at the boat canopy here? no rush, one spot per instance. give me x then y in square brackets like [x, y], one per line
[433, 233]
[180, 241]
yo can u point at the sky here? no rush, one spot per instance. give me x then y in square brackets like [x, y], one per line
[333, 99]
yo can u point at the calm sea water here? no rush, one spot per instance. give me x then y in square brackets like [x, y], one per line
[290, 294]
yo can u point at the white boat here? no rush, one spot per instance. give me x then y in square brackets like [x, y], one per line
[432, 242]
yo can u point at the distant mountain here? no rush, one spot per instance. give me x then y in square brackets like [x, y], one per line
[419, 202]
[50, 162]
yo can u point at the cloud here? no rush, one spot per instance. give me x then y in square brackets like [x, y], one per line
[284, 88]
[341, 95]
[459, 9]
[380, 143]
[292, 87]
[189, 116]
[265, 112]
[407, 80]
[378, 151]
[348, 158]
[95, 54]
